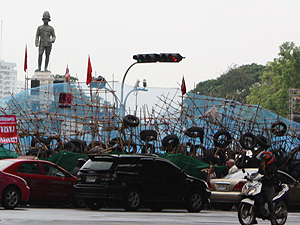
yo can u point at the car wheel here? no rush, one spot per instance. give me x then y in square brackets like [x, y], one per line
[194, 201]
[94, 205]
[79, 203]
[10, 198]
[156, 207]
[246, 214]
[132, 200]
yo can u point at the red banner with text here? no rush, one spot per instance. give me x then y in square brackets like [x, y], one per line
[8, 129]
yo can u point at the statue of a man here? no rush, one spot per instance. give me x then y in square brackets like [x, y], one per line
[45, 36]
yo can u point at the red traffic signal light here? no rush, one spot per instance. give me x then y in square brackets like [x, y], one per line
[162, 57]
[170, 57]
[146, 58]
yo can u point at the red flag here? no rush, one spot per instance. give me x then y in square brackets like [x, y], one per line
[25, 61]
[183, 87]
[67, 74]
[89, 73]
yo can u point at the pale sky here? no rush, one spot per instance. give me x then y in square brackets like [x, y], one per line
[211, 34]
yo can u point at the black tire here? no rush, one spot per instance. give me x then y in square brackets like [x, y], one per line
[10, 198]
[222, 139]
[156, 207]
[94, 205]
[37, 140]
[131, 120]
[278, 128]
[79, 145]
[263, 142]
[281, 212]
[148, 135]
[79, 203]
[69, 146]
[148, 148]
[248, 141]
[246, 214]
[195, 132]
[210, 156]
[170, 141]
[194, 201]
[132, 200]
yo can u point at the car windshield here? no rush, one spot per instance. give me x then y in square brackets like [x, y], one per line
[239, 174]
[97, 165]
[5, 163]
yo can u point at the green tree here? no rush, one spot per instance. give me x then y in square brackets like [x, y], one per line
[280, 75]
[233, 84]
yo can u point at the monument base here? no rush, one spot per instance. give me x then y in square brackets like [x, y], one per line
[43, 76]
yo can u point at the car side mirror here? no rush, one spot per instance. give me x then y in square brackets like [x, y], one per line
[243, 170]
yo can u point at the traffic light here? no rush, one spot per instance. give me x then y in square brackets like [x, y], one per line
[146, 58]
[162, 57]
[170, 57]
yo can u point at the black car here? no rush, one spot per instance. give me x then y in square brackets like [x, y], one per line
[135, 181]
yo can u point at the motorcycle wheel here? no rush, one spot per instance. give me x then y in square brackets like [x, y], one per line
[281, 213]
[246, 214]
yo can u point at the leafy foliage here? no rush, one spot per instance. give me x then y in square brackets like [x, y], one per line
[280, 75]
[233, 84]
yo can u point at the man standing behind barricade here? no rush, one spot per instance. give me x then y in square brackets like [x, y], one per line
[45, 36]
[232, 168]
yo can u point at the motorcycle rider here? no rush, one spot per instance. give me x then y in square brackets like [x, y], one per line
[270, 181]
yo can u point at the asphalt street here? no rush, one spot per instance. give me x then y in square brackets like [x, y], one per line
[71, 216]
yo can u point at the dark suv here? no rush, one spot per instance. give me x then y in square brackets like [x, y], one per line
[135, 181]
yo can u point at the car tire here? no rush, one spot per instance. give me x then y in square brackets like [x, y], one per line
[148, 135]
[79, 203]
[132, 200]
[94, 205]
[195, 201]
[156, 207]
[248, 140]
[170, 141]
[263, 142]
[194, 132]
[10, 198]
[131, 120]
[278, 128]
[225, 139]
[69, 146]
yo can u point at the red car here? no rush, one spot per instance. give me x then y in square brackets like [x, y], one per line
[49, 183]
[13, 190]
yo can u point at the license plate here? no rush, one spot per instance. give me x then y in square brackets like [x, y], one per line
[90, 178]
[222, 187]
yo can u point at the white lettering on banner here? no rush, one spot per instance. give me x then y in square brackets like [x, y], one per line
[8, 140]
[7, 129]
[7, 119]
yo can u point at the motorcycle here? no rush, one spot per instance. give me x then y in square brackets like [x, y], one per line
[254, 206]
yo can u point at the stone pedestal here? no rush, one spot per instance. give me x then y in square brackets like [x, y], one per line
[43, 76]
